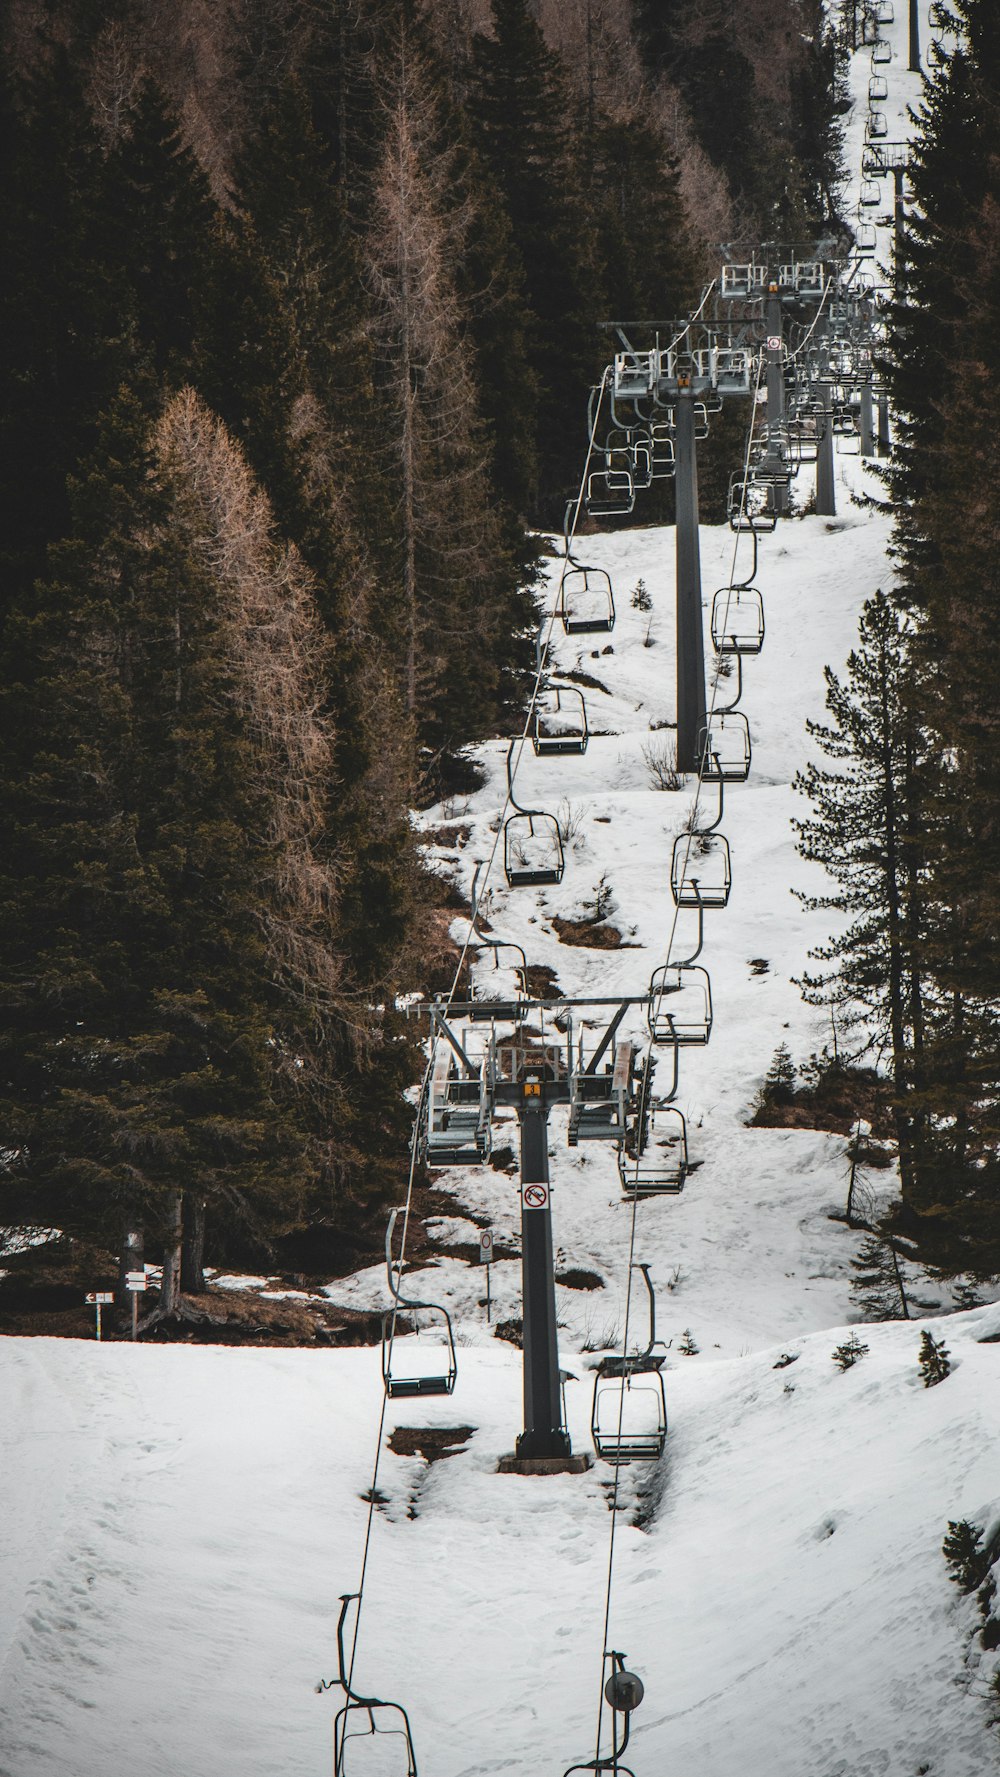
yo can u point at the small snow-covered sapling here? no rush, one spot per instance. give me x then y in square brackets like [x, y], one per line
[688, 1346]
[933, 1359]
[850, 1353]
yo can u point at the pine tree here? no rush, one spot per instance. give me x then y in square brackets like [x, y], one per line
[866, 830]
[520, 107]
[933, 1362]
[167, 965]
[879, 1287]
[449, 565]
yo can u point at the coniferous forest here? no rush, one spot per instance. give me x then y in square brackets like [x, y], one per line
[300, 311]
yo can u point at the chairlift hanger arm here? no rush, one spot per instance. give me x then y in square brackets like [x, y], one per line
[607, 1039]
[442, 1025]
[684, 961]
[724, 709]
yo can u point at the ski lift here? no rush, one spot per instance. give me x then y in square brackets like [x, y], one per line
[414, 1365]
[599, 1103]
[865, 237]
[532, 849]
[749, 505]
[661, 442]
[701, 871]
[737, 620]
[559, 721]
[628, 1420]
[610, 493]
[371, 1738]
[532, 843]
[458, 1131]
[724, 748]
[881, 53]
[885, 13]
[870, 195]
[628, 447]
[586, 601]
[937, 55]
[680, 1004]
[660, 1165]
[938, 16]
[876, 126]
[878, 89]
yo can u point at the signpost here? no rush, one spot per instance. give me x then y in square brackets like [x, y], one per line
[135, 1283]
[486, 1258]
[99, 1298]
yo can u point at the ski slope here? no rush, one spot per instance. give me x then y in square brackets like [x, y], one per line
[176, 1524]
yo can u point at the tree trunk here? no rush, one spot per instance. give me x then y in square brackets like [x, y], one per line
[193, 1247]
[170, 1288]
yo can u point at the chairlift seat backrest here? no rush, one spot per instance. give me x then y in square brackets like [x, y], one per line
[533, 850]
[701, 870]
[559, 721]
[680, 1004]
[586, 601]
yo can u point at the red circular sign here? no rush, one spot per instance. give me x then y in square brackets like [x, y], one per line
[536, 1196]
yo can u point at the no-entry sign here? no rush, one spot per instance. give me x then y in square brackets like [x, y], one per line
[535, 1196]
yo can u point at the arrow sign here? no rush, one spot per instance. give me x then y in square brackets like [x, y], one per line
[135, 1280]
[99, 1296]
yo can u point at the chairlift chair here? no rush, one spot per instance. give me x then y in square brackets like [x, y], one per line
[586, 601]
[881, 53]
[885, 12]
[878, 89]
[610, 493]
[701, 871]
[937, 16]
[600, 1102]
[628, 1420]
[659, 1163]
[876, 126]
[749, 506]
[870, 195]
[371, 1737]
[414, 1364]
[559, 721]
[737, 620]
[724, 748]
[865, 237]
[532, 849]
[457, 1131]
[662, 456]
[937, 55]
[680, 1004]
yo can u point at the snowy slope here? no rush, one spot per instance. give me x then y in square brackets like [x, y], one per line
[176, 1524]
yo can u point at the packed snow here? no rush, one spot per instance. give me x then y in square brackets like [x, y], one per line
[177, 1523]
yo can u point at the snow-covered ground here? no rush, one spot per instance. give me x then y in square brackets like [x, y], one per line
[176, 1524]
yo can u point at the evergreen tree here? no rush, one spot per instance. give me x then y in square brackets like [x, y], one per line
[867, 831]
[520, 107]
[945, 476]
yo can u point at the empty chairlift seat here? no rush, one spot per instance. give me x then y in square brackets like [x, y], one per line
[658, 1163]
[680, 1004]
[419, 1362]
[628, 1421]
[559, 721]
[724, 748]
[600, 1102]
[532, 849]
[586, 601]
[878, 89]
[701, 871]
[458, 1131]
[371, 1737]
[610, 493]
[737, 620]
[881, 53]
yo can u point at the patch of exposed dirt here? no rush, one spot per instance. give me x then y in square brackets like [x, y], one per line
[433, 1442]
[590, 934]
